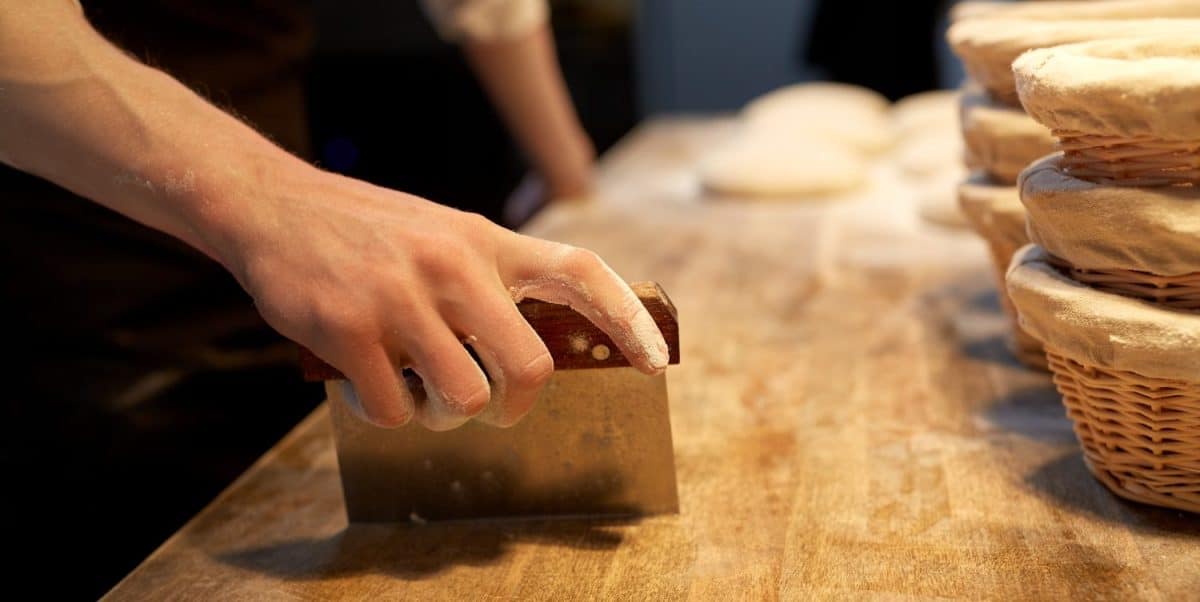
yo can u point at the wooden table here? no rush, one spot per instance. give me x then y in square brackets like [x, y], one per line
[847, 424]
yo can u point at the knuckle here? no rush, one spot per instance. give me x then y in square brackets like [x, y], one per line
[342, 322]
[441, 258]
[477, 221]
[535, 373]
[583, 262]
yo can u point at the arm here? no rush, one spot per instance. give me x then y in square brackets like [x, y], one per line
[525, 84]
[509, 46]
[371, 280]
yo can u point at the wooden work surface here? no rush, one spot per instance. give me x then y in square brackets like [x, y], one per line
[847, 424]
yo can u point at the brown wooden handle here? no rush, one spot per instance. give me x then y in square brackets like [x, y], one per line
[573, 341]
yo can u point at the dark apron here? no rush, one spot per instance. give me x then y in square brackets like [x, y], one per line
[140, 378]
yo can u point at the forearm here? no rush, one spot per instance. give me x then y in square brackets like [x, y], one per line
[524, 81]
[78, 112]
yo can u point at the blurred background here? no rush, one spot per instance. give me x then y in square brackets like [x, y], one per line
[391, 103]
[365, 88]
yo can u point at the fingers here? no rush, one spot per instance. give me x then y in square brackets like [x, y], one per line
[378, 394]
[455, 387]
[514, 355]
[579, 278]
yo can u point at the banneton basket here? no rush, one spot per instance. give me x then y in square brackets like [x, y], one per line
[1141, 439]
[1134, 403]
[988, 46]
[1175, 292]
[1000, 139]
[1113, 293]
[1142, 241]
[1074, 9]
[995, 212]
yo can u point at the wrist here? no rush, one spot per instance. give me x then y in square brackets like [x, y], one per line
[237, 209]
[570, 172]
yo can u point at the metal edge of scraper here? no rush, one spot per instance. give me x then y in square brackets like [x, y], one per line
[597, 444]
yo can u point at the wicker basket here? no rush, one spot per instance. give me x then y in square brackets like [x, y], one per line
[1024, 347]
[1001, 225]
[1140, 435]
[1141, 161]
[1176, 292]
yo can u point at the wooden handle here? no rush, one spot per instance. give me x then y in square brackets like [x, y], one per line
[573, 341]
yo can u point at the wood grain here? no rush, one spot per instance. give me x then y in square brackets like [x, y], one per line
[569, 337]
[847, 424]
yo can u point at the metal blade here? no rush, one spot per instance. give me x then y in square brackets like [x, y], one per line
[597, 443]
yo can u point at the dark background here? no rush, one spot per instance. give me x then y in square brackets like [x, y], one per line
[102, 471]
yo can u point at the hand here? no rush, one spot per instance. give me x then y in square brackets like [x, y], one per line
[569, 177]
[374, 281]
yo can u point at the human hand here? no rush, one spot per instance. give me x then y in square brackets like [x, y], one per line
[374, 281]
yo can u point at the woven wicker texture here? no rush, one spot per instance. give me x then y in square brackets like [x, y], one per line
[1025, 348]
[1176, 292]
[1004, 236]
[1140, 435]
[1142, 161]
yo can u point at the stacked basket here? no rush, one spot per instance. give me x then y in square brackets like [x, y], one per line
[1112, 285]
[1000, 138]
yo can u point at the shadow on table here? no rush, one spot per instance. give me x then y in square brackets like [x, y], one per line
[1067, 482]
[967, 309]
[992, 349]
[985, 300]
[411, 551]
[1035, 412]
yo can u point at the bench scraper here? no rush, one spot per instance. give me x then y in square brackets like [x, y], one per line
[596, 443]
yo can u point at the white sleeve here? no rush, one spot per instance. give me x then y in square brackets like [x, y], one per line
[484, 20]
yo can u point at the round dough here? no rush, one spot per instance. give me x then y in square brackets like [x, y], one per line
[925, 112]
[1103, 227]
[931, 154]
[1102, 329]
[1000, 139]
[937, 201]
[988, 46]
[853, 115]
[771, 166]
[1074, 9]
[1126, 88]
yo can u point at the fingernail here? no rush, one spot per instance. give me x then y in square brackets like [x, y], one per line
[653, 343]
[660, 355]
[664, 351]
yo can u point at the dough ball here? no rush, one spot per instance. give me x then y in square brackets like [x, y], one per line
[937, 198]
[853, 115]
[759, 165]
[926, 112]
[931, 154]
